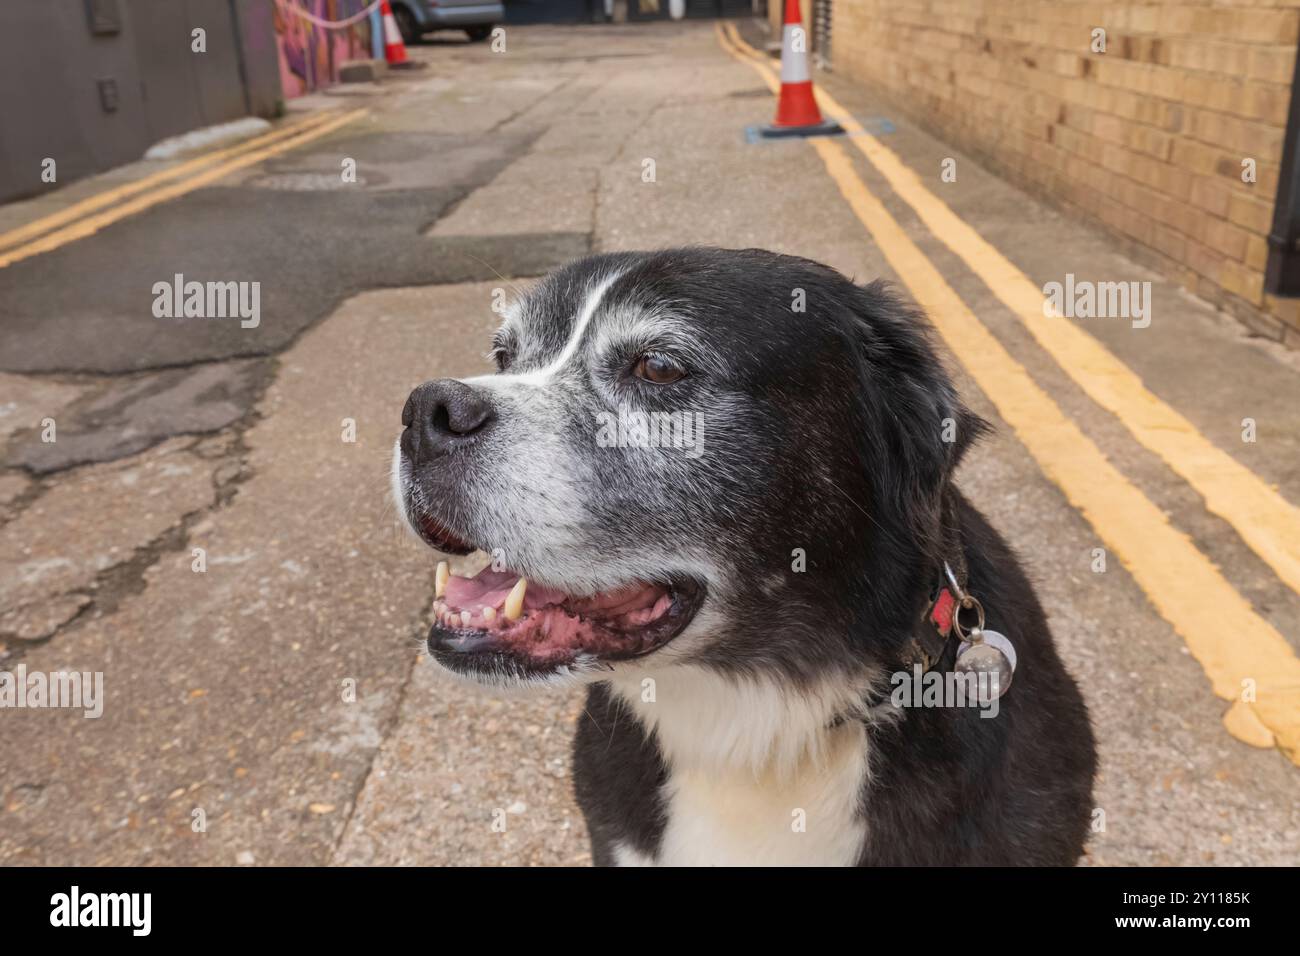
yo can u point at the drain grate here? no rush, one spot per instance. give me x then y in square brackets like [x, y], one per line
[822, 33]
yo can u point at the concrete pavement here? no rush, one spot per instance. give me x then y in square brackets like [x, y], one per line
[279, 695]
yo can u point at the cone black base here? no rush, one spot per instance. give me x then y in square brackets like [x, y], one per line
[824, 128]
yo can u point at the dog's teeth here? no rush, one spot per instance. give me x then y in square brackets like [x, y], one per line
[440, 579]
[465, 618]
[515, 601]
[489, 614]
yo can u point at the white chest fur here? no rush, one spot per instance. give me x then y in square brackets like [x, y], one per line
[755, 776]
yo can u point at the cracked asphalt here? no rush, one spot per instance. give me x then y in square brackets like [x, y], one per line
[203, 529]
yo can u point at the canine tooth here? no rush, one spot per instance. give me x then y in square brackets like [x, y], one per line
[465, 618]
[515, 600]
[489, 614]
[440, 579]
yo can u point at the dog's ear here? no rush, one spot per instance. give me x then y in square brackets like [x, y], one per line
[910, 405]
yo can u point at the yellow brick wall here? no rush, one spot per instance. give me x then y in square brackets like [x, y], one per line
[1146, 139]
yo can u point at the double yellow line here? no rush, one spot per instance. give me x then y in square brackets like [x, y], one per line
[1245, 658]
[83, 219]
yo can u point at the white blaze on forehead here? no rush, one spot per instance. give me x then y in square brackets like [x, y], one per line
[580, 323]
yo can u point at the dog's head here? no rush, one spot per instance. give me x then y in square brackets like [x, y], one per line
[732, 459]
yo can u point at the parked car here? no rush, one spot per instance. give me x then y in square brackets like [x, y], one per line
[418, 17]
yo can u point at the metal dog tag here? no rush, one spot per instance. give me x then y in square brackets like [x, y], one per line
[988, 652]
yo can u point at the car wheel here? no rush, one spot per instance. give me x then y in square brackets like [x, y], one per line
[406, 25]
[478, 34]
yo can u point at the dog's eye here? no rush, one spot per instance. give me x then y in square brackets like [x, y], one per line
[658, 369]
[503, 350]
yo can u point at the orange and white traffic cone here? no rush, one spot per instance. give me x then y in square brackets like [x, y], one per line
[796, 111]
[394, 48]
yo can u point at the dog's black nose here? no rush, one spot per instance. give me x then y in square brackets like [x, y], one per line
[441, 415]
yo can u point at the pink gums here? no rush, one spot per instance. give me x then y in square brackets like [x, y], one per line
[553, 625]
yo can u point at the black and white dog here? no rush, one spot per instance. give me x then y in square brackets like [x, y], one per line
[717, 487]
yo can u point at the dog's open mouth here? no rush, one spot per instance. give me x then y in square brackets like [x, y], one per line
[501, 622]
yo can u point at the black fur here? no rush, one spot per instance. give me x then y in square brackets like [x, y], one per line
[848, 408]
[834, 430]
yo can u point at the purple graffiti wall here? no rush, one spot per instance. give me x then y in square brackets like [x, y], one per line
[310, 56]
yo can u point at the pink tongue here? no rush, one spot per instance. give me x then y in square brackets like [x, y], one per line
[620, 601]
[490, 588]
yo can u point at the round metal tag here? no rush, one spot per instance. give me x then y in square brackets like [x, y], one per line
[990, 653]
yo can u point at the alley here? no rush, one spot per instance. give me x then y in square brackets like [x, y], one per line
[212, 528]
